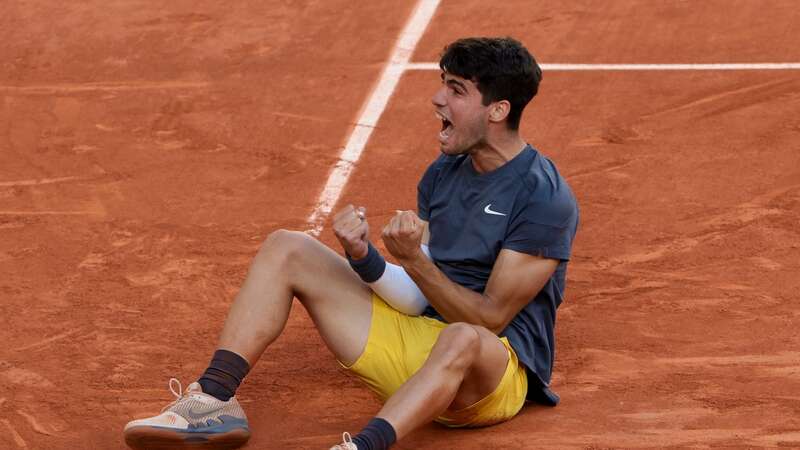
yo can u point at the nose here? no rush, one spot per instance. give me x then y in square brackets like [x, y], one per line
[439, 98]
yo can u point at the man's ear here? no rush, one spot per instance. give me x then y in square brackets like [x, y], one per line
[498, 111]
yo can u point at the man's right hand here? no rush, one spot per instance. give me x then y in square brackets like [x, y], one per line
[351, 229]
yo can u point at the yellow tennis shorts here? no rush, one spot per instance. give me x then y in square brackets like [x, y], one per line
[398, 346]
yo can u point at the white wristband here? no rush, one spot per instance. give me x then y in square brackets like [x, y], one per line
[399, 290]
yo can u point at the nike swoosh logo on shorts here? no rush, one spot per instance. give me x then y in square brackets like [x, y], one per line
[488, 210]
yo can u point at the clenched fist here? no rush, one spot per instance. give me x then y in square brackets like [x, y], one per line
[351, 229]
[403, 235]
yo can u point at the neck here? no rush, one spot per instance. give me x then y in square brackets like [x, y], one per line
[497, 151]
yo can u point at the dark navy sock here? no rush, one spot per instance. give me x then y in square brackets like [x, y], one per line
[224, 374]
[377, 435]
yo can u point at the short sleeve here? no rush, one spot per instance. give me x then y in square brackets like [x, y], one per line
[544, 228]
[425, 189]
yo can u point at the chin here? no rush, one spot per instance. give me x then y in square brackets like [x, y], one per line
[450, 149]
[456, 150]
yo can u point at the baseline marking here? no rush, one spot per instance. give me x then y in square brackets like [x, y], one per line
[637, 67]
[371, 112]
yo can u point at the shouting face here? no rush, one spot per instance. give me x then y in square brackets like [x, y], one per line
[464, 118]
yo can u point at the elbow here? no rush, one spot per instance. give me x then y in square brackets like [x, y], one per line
[411, 307]
[495, 331]
[494, 319]
[496, 327]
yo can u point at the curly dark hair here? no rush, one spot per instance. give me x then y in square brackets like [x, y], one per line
[502, 69]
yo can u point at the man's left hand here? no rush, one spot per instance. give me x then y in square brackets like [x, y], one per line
[403, 235]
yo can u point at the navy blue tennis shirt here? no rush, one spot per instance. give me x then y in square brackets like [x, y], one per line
[525, 206]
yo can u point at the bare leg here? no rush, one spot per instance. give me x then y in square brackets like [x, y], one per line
[465, 365]
[293, 264]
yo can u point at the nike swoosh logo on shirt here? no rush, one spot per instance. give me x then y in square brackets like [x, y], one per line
[488, 210]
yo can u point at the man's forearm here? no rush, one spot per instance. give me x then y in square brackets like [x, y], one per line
[453, 301]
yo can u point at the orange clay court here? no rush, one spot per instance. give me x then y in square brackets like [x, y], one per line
[147, 150]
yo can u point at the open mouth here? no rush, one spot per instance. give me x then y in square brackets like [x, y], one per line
[447, 126]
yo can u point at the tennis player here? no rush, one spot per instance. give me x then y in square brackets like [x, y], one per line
[461, 330]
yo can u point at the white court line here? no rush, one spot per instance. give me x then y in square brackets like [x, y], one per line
[371, 112]
[635, 67]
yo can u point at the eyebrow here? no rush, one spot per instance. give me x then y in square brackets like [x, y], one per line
[455, 82]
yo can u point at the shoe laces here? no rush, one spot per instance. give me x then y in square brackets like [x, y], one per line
[347, 443]
[178, 395]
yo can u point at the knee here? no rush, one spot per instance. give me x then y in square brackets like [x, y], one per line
[460, 345]
[283, 245]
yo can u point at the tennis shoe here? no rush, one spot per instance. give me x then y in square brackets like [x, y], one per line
[195, 420]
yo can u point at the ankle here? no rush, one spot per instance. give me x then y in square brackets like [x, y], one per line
[377, 435]
[224, 374]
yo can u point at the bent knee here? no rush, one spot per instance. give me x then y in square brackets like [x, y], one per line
[460, 343]
[460, 334]
[284, 244]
